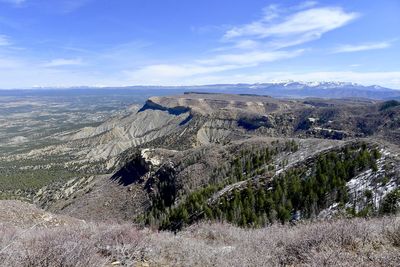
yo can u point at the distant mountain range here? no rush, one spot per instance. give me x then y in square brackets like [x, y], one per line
[289, 89]
[306, 89]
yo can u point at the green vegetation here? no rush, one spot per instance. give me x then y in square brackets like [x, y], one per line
[260, 202]
[389, 104]
[25, 177]
[249, 163]
[391, 203]
[246, 165]
[31, 180]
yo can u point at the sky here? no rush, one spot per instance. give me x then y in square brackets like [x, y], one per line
[64, 43]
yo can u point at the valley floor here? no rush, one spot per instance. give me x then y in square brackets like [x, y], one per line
[51, 240]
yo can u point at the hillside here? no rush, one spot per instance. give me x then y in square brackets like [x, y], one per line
[156, 158]
[137, 164]
[211, 118]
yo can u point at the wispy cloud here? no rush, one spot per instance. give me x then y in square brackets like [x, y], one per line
[61, 62]
[275, 36]
[361, 47]
[251, 58]
[10, 63]
[220, 63]
[171, 72]
[306, 4]
[301, 27]
[247, 44]
[256, 43]
[178, 73]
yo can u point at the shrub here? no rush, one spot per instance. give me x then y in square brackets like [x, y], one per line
[355, 242]
[389, 104]
[390, 203]
[393, 234]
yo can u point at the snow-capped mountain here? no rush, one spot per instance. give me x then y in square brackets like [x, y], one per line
[291, 89]
[319, 84]
[328, 89]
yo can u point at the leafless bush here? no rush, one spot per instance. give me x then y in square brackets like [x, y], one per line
[7, 235]
[357, 242]
[121, 243]
[53, 247]
[393, 234]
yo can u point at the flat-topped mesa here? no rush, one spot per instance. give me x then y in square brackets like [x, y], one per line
[152, 104]
[212, 104]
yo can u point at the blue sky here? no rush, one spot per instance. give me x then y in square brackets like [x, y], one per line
[186, 42]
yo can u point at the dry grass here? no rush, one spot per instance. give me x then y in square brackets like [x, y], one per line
[356, 242]
[338, 243]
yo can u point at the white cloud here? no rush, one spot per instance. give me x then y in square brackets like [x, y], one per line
[361, 47]
[307, 4]
[251, 58]
[176, 71]
[270, 12]
[251, 45]
[247, 44]
[10, 63]
[60, 62]
[312, 21]
[173, 73]
[254, 44]
[298, 28]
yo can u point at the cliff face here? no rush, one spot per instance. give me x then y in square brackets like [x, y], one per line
[195, 119]
[207, 118]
